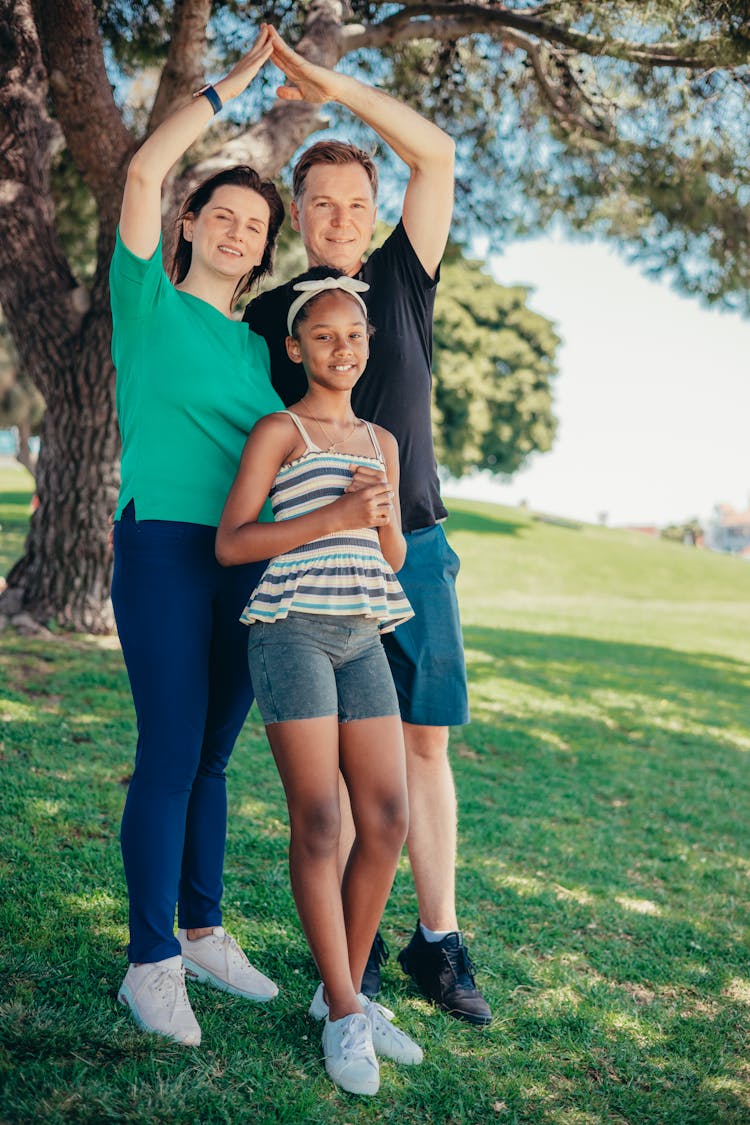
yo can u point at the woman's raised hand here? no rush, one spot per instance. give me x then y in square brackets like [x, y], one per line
[243, 72]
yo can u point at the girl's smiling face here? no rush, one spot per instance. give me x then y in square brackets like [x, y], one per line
[331, 340]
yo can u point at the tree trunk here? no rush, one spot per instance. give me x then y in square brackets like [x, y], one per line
[64, 575]
[24, 456]
[61, 330]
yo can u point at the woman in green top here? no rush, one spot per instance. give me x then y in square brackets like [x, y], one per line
[191, 383]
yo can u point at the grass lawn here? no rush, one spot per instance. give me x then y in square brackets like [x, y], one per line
[603, 868]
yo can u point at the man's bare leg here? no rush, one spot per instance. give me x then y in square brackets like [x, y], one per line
[431, 841]
[436, 958]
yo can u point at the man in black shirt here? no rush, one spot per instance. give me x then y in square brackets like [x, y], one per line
[334, 210]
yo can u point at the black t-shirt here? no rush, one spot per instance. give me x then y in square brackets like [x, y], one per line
[395, 389]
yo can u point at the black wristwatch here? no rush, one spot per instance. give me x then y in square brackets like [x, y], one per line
[208, 91]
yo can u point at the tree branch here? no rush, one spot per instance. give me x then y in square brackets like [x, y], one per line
[38, 292]
[183, 70]
[98, 141]
[562, 95]
[454, 21]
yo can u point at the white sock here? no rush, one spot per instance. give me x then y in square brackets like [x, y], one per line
[434, 935]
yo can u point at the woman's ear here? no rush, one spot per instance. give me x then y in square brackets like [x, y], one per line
[293, 349]
[188, 222]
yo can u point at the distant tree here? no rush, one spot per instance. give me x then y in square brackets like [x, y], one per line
[616, 116]
[690, 532]
[494, 364]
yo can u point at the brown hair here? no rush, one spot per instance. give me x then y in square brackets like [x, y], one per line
[332, 152]
[241, 175]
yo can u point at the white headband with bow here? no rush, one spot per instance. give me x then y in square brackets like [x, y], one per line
[310, 289]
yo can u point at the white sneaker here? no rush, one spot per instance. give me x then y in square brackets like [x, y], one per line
[318, 1008]
[156, 995]
[349, 1054]
[218, 959]
[387, 1039]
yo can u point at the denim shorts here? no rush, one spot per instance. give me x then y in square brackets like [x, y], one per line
[307, 666]
[426, 653]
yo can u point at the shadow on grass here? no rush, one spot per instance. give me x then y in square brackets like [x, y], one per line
[711, 688]
[602, 877]
[481, 523]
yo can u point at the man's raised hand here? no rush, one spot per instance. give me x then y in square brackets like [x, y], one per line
[307, 81]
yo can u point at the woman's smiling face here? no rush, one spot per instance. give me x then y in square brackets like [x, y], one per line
[229, 233]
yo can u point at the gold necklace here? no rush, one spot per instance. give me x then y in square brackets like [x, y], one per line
[332, 444]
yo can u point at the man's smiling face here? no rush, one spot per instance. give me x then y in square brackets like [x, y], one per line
[335, 215]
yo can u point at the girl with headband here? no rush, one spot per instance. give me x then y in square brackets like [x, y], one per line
[320, 674]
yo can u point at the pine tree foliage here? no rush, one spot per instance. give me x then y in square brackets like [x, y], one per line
[494, 365]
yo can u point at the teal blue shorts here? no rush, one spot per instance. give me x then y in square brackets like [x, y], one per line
[426, 653]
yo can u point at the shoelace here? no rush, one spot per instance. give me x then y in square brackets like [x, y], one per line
[378, 1016]
[380, 952]
[354, 1041]
[461, 966]
[233, 951]
[170, 985]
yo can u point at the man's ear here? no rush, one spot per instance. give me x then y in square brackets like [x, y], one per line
[294, 215]
[293, 349]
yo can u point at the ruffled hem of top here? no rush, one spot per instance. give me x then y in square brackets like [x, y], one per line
[279, 594]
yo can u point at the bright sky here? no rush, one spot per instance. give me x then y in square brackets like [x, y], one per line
[652, 396]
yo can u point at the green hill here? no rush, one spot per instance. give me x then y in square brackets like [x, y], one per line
[593, 581]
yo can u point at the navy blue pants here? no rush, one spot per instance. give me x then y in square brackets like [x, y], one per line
[177, 614]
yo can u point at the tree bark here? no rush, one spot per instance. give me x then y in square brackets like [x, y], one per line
[64, 575]
[24, 456]
[62, 334]
[62, 331]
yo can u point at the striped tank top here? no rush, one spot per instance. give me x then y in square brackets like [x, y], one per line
[339, 574]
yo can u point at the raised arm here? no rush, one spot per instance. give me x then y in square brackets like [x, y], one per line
[426, 149]
[140, 217]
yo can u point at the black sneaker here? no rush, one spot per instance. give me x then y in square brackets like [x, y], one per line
[443, 972]
[379, 954]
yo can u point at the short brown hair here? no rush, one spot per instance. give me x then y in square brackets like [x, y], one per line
[332, 152]
[240, 175]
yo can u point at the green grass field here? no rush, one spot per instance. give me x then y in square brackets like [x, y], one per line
[603, 869]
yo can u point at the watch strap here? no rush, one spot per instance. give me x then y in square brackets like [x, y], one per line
[209, 92]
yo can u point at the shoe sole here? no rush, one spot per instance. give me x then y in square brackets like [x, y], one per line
[352, 1090]
[196, 972]
[127, 1001]
[468, 1017]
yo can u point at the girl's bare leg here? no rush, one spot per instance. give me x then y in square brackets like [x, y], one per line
[347, 834]
[307, 757]
[373, 765]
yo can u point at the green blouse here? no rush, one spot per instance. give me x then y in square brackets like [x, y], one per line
[191, 384]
